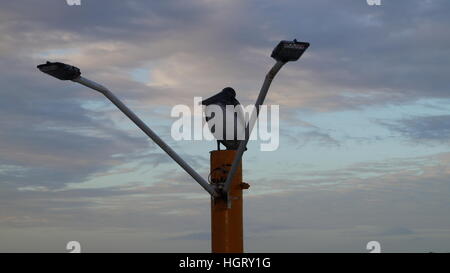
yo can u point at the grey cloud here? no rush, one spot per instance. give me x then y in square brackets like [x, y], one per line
[359, 49]
[422, 129]
[361, 55]
[104, 20]
[397, 231]
[378, 207]
[193, 236]
[301, 138]
[49, 136]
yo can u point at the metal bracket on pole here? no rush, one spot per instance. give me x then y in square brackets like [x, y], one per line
[122, 107]
[259, 101]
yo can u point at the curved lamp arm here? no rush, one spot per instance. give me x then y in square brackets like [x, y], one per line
[259, 101]
[149, 132]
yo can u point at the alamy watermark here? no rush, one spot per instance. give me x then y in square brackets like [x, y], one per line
[73, 247]
[73, 2]
[78, 2]
[374, 2]
[374, 247]
[227, 123]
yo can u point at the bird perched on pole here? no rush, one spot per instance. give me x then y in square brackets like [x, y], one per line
[226, 97]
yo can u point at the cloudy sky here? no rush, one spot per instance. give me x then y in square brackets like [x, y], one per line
[365, 124]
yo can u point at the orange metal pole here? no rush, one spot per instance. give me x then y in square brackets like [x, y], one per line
[226, 216]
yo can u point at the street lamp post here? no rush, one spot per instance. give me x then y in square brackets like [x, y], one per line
[226, 182]
[226, 167]
[285, 51]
